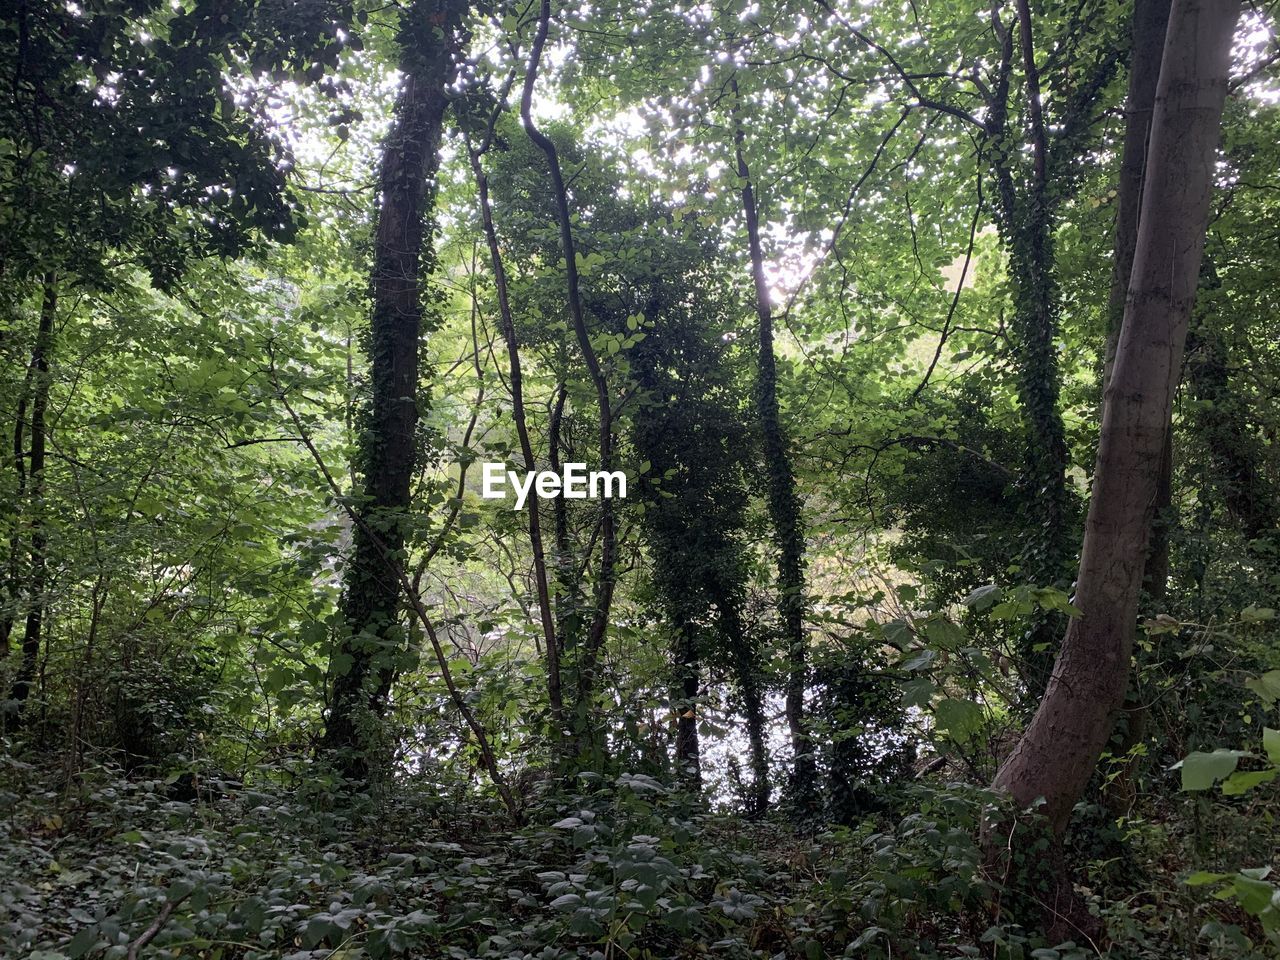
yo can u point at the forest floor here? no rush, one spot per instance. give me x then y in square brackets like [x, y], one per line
[103, 866]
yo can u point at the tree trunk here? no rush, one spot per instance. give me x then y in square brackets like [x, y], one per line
[1237, 457]
[542, 587]
[1150, 23]
[585, 730]
[366, 661]
[38, 570]
[688, 754]
[1026, 226]
[13, 576]
[784, 504]
[1056, 755]
[567, 597]
[747, 676]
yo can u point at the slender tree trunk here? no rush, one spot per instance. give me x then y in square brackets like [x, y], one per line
[784, 504]
[747, 676]
[38, 569]
[1056, 755]
[1027, 226]
[567, 600]
[1149, 25]
[13, 573]
[365, 663]
[542, 587]
[588, 657]
[688, 685]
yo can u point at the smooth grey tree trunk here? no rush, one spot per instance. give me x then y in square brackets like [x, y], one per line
[1056, 755]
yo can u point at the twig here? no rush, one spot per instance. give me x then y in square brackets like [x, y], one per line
[157, 925]
[487, 757]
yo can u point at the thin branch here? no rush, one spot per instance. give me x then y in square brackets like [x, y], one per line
[487, 757]
[156, 925]
[955, 300]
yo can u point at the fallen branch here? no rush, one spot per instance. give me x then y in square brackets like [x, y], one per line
[157, 925]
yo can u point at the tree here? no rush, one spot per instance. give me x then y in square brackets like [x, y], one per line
[32, 483]
[1029, 204]
[1055, 756]
[585, 739]
[542, 590]
[780, 484]
[364, 664]
[119, 155]
[1149, 25]
[685, 425]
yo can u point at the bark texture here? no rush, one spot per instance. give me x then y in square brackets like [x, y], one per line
[1150, 23]
[1056, 755]
[365, 663]
[1147, 34]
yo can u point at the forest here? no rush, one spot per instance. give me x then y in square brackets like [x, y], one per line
[523, 480]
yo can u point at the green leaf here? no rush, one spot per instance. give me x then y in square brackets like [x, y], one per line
[980, 598]
[1253, 895]
[82, 942]
[1201, 770]
[1202, 877]
[917, 693]
[1267, 686]
[865, 937]
[1242, 782]
[920, 660]
[961, 719]
[943, 633]
[1271, 744]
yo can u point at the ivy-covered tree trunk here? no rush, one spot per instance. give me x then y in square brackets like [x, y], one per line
[1026, 223]
[364, 665]
[14, 586]
[1056, 755]
[1035, 326]
[783, 500]
[747, 670]
[1237, 456]
[688, 682]
[37, 573]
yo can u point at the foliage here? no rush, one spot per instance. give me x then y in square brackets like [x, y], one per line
[188, 257]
